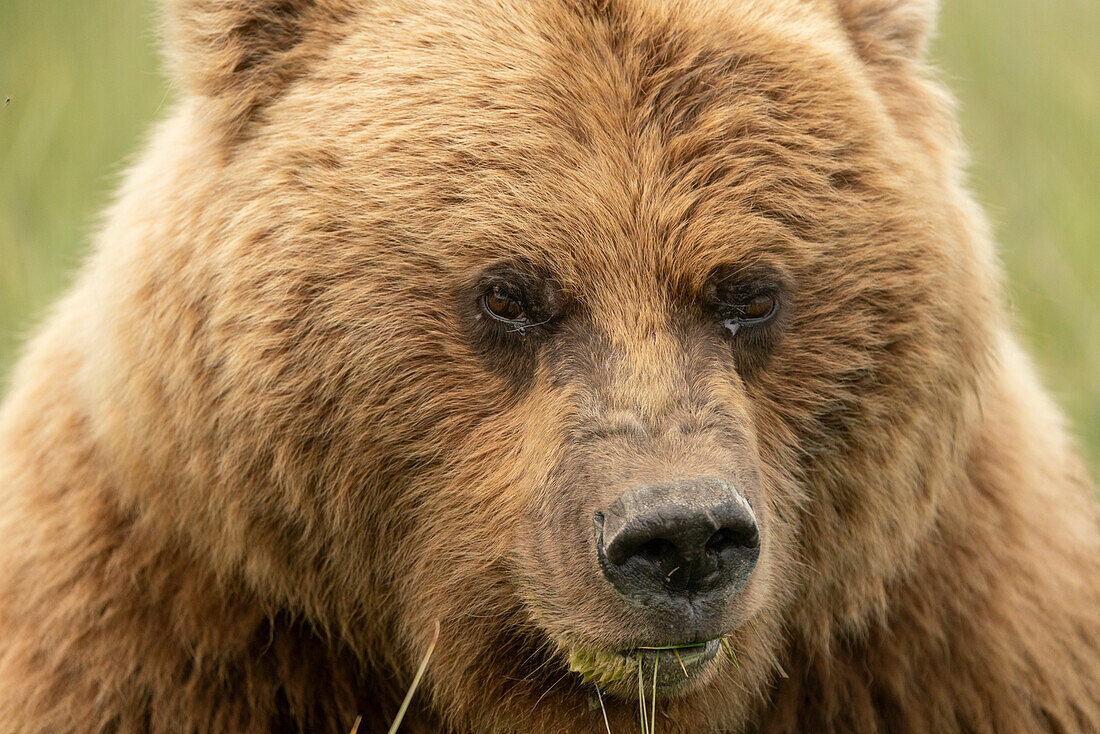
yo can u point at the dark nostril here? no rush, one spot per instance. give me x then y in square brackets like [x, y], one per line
[656, 549]
[720, 542]
[730, 539]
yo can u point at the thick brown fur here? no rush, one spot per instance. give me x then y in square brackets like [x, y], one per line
[264, 443]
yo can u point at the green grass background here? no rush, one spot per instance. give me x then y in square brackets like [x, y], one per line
[84, 82]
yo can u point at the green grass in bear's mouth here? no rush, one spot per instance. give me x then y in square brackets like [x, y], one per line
[684, 651]
[605, 667]
[618, 669]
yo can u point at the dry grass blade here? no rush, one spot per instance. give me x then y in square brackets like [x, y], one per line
[653, 703]
[606, 723]
[641, 698]
[416, 682]
[681, 662]
[358, 721]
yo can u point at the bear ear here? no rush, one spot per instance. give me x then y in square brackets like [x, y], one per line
[242, 53]
[888, 29]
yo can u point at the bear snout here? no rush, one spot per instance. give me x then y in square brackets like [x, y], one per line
[682, 547]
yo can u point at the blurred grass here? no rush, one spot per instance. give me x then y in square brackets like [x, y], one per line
[79, 84]
[84, 84]
[1027, 75]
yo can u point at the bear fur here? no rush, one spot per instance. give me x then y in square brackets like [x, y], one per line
[268, 440]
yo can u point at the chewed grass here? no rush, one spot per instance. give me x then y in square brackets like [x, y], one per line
[601, 668]
[608, 668]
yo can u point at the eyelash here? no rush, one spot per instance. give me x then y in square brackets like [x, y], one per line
[734, 323]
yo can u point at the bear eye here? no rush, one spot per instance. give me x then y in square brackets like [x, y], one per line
[503, 307]
[748, 312]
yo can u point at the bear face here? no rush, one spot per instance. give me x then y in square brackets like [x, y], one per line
[588, 330]
[473, 274]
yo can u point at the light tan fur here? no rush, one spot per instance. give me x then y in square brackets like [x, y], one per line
[255, 453]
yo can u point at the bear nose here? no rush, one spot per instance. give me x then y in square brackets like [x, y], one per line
[690, 538]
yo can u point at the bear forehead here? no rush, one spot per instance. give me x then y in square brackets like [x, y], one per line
[662, 139]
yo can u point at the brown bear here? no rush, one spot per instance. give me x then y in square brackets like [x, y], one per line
[654, 349]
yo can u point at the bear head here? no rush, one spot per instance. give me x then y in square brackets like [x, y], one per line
[627, 340]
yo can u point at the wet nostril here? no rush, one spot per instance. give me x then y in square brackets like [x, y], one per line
[720, 542]
[656, 549]
[730, 539]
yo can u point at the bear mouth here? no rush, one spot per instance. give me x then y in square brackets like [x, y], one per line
[665, 669]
